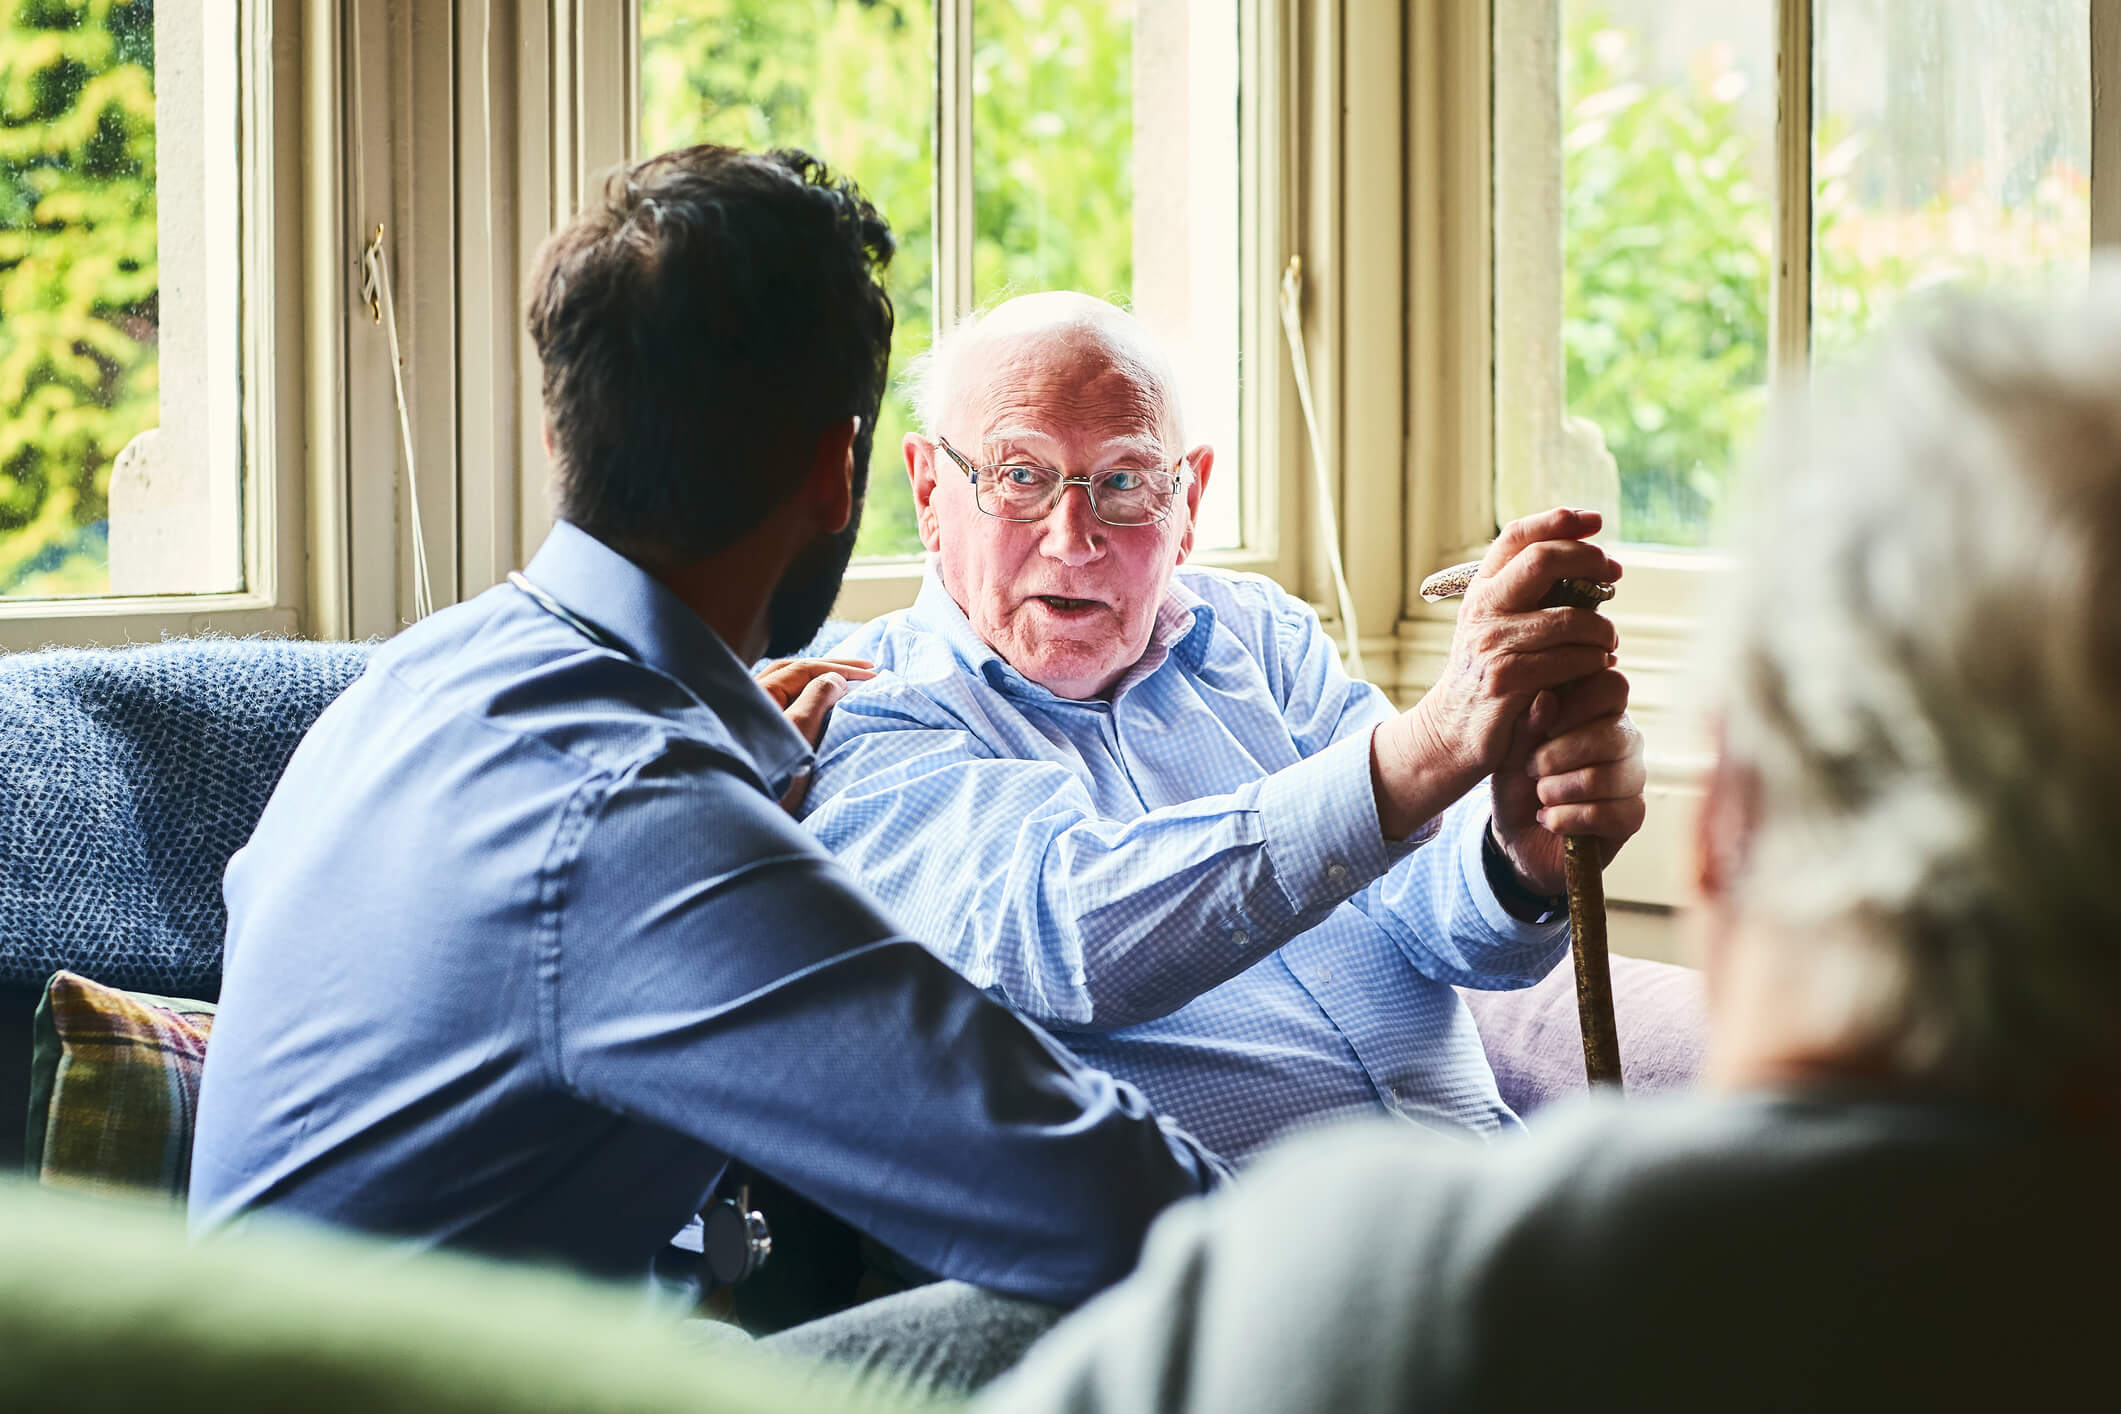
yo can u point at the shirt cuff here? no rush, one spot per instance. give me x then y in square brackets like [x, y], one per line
[1319, 819]
[1472, 863]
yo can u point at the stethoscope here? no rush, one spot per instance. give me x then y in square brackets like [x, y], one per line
[568, 616]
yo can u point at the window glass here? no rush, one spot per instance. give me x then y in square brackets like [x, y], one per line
[1104, 140]
[852, 81]
[1105, 159]
[1951, 143]
[1667, 233]
[79, 282]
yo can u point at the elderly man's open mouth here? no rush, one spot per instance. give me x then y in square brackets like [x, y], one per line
[1068, 608]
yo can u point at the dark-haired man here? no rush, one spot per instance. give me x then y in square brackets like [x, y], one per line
[525, 951]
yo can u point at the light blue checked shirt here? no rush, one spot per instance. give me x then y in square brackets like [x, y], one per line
[1188, 882]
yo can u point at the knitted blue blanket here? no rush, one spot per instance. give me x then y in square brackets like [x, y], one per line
[128, 777]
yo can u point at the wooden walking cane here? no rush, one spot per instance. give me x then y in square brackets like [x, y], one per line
[1586, 886]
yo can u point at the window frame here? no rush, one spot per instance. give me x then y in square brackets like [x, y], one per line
[268, 414]
[468, 133]
[1666, 591]
[541, 98]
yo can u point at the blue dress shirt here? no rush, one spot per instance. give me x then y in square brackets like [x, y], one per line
[1187, 882]
[524, 950]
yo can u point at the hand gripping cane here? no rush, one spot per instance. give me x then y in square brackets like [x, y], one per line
[1587, 941]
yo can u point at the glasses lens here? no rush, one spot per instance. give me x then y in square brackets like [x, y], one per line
[1017, 492]
[1133, 497]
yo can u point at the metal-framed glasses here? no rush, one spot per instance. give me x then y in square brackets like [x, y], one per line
[1122, 495]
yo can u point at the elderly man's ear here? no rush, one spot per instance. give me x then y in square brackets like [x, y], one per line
[920, 467]
[1201, 461]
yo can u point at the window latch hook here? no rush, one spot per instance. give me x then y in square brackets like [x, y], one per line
[371, 289]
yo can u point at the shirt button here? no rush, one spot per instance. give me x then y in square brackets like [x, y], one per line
[1337, 873]
[1241, 937]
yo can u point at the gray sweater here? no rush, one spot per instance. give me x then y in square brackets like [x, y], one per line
[1763, 1253]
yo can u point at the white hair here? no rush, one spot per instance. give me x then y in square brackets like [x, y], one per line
[1922, 666]
[933, 377]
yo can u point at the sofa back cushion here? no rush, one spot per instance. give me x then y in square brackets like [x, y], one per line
[114, 1088]
[127, 779]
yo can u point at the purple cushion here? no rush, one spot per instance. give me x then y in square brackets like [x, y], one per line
[1536, 1050]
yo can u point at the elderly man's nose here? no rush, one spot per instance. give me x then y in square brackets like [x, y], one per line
[1073, 532]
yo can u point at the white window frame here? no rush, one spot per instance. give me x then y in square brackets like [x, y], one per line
[266, 417]
[468, 132]
[541, 98]
[1486, 96]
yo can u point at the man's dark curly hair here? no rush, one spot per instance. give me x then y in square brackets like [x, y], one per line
[700, 325]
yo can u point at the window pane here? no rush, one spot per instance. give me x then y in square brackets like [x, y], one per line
[79, 307]
[1667, 148]
[1950, 143]
[852, 82]
[1105, 159]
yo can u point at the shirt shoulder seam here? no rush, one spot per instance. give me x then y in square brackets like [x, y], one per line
[561, 855]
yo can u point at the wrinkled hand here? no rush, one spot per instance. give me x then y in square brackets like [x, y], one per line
[1505, 652]
[805, 689]
[1576, 769]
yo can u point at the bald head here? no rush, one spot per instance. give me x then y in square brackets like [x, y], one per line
[1056, 343]
[1055, 383]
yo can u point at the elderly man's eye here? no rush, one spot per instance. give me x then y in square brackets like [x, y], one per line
[1022, 475]
[1126, 480]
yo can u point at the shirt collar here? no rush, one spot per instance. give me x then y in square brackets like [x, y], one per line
[1184, 622]
[653, 626]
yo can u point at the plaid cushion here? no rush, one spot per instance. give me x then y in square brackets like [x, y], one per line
[114, 1087]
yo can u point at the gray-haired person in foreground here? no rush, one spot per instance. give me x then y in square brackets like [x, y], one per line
[1899, 1192]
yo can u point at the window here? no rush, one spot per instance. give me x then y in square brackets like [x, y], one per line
[1950, 143]
[120, 465]
[1015, 146]
[1922, 144]
[1693, 204]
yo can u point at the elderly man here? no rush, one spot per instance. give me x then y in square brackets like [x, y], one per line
[1144, 806]
[1903, 1196]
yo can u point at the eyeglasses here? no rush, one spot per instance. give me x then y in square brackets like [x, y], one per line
[1123, 496]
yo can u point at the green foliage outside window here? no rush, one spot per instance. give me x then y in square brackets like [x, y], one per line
[1053, 148]
[78, 279]
[850, 82]
[1668, 224]
[1665, 279]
